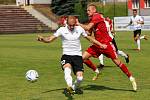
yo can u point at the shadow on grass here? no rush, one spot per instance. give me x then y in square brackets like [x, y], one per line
[109, 66]
[53, 90]
[131, 49]
[98, 87]
[69, 97]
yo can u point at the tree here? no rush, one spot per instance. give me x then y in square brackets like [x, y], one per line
[80, 9]
[63, 7]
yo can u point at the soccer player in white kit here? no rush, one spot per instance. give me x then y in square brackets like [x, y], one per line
[137, 22]
[72, 54]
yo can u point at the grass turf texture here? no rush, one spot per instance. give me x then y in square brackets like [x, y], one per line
[21, 52]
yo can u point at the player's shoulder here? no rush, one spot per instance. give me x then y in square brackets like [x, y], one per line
[96, 15]
[138, 16]
[62, 28]
[131, 17]
[79, 27]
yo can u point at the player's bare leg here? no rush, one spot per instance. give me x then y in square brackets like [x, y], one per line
[89, 63]
[144, 37]
[137, 40]
[125, 70]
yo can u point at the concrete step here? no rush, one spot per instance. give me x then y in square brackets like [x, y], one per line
[14, 19]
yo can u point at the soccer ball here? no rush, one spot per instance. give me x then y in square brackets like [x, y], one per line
[32, 75]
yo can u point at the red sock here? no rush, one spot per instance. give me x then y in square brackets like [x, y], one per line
[89, 63]
[124, 68]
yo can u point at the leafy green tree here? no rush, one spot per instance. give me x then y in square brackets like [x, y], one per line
[63, 7]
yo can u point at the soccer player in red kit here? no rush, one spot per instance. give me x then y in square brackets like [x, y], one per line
[97, 24]
[109, 25]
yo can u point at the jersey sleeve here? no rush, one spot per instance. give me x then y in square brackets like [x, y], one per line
[58, 32]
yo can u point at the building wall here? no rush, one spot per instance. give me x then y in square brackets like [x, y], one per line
[25, 2]
[40, 1]
[145, 12]
[116, 0]
[141, 10]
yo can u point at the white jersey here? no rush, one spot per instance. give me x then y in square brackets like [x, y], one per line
[135, 21]
[71, 39]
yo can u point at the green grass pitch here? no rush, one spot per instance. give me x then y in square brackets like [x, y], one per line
[21, 52]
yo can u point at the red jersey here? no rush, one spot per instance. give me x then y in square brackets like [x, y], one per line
[100, 29]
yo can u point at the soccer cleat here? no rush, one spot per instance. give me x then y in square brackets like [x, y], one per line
[127, 59]
[69, 91]
[134, 85]
[137, 49]
[95, 76]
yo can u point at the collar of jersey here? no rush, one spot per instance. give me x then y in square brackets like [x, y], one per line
[69, 29]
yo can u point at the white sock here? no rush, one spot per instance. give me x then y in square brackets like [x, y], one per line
[97, 71]
[138, 44]
[68, 77]
[142, 37]
[131, 78]
[121, 53]
[101, 59]
[77, 82]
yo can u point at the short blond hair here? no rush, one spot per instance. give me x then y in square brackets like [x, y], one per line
[93, 5]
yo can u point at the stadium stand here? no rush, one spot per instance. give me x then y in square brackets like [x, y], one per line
[14, 19]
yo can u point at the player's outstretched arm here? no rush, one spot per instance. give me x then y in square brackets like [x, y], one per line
[46, 39]
[103, 46]
[86, 27]
[128, 24]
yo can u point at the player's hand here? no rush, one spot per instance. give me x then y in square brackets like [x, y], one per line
[40, 38]
[113, 33]
[139, 22]
[103, 46]
[77, 21]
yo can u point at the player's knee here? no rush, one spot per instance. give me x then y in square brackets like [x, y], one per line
[66, 66]
[136, 38]
[79, 78]
[86, 55]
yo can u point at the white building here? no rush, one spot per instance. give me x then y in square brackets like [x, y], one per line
[28, 2]
[115, 0]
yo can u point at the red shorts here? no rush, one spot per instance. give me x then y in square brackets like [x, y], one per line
[109, 52]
